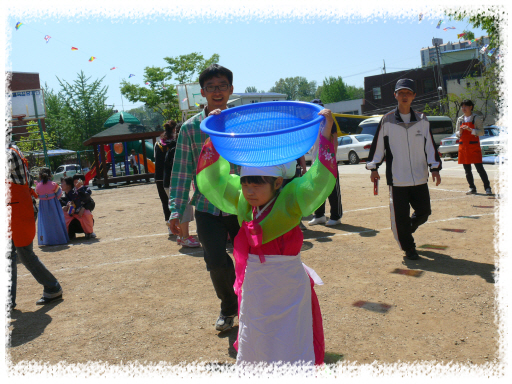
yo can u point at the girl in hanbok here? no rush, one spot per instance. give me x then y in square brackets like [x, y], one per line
[279, 314]
[51, 226]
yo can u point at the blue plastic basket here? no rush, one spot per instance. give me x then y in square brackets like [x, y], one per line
[264, 134]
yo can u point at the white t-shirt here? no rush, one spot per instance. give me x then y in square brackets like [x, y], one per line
[406, 117]
[468, 119]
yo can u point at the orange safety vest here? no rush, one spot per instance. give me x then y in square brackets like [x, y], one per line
[470, 151]
[23, 224]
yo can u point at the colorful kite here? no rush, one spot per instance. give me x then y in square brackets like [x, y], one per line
[130, 75]
[92, 58]
[47, 38]
[148, 82]
[439, 24]
[447, 28]
[482, 51]
[74, 49]
[459, 35]
[491, 51]
[185, 99]
[420, 16]
[197, 105]
[113, 68]
[18, 25]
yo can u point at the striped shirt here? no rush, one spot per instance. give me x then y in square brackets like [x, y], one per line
[188, 148]
[16, 170]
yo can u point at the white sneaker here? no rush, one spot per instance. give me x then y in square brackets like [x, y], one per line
[318, 220]
[333, 222]
[488, 191]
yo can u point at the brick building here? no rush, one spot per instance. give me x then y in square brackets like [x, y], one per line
[379, 89]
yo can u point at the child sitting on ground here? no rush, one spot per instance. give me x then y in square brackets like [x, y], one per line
[75, 205]
[51, 226]
[279, 313]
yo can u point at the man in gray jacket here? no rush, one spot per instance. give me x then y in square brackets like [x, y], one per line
[404, 140]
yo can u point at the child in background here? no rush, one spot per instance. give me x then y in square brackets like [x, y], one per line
[51, 226]
[79, 212]
[279, 313]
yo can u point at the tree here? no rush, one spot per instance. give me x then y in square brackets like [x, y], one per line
[158, 95]
[251, 90]
[333, 90]
[147, 116]
[489, 20]
[295, 88]
[33, 143]
[468, 35]
[186, 68]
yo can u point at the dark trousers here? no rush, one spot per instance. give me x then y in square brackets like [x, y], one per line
[213, 235]
[334, 202]
[481, 171]
[401, 201]
[163, 198]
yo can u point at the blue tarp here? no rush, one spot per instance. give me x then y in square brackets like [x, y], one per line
[55, 152]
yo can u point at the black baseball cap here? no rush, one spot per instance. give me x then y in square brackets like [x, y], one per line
[317, 101]
[405, 84]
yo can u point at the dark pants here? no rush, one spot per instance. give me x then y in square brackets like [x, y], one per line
[43, 276]
[213, 235]
[164, 198]
[135, 170]
[335, 203]
[401, 201]
[481, 171]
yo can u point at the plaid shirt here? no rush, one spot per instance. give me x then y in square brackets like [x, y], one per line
[16, 169]
[188, 148]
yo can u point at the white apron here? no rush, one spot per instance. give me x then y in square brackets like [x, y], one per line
[275, 320]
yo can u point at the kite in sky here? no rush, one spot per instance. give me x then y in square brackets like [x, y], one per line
[439, 24]
[47, 38]
[447, 28]
[113, 68]
[18, 25]
[74, 49]
[459, 35]
[420, 16]
[148, 82]
[92, 58]
[185, 99]
[130, 75]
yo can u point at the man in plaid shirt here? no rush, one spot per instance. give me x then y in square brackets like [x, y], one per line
[213, 226]
[17, 177]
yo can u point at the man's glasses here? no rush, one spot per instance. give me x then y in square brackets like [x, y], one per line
[212, 88]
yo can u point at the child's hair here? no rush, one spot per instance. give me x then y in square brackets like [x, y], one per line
[215, 70]
[170, 126]
[258, 180]
[68, 180]
[77, 176]
[45, 174]
[178, 128]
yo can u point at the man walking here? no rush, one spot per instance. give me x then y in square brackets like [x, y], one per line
[404, 139]
[213, 226]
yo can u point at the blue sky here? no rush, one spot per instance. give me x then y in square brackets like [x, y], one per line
[259, 52]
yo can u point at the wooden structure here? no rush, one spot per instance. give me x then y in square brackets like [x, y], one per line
[121, 133]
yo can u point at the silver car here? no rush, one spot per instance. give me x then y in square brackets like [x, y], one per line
[489, 142]
[351, 148]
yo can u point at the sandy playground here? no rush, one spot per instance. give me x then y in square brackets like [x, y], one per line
[132, 294]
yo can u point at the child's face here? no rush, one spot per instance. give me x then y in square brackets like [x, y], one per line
[258, 195]
[65, 187]
[78, 183]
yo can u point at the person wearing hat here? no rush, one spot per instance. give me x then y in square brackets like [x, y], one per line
[469, 127]
[335, 195]
[404, 140]
[279, 313]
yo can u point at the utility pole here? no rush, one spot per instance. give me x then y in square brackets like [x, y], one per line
[384, 69]
[440, 92]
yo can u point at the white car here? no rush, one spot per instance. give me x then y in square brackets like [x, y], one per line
[66, 170]
[351, 148]
[489, 143]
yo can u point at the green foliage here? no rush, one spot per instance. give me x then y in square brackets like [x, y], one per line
[186, 68]
[295, 88]
[33, 143]
[251, 90]
[77, 111]
[468, 35]
[147, 116]
[488, 20]
[334, 89]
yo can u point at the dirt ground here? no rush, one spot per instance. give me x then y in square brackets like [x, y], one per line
[132, 294]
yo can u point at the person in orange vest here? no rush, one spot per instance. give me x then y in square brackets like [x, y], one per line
[469, 127]
[22, 228]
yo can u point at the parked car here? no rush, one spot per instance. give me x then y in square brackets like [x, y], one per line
[66, 170]
[441, 127]
[351, 148]
[489, 142]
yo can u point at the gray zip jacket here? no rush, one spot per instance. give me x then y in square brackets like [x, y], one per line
[408, 149]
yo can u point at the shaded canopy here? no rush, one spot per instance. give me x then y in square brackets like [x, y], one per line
[126, 117]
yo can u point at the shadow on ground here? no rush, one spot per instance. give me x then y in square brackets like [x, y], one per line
[445, 264]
